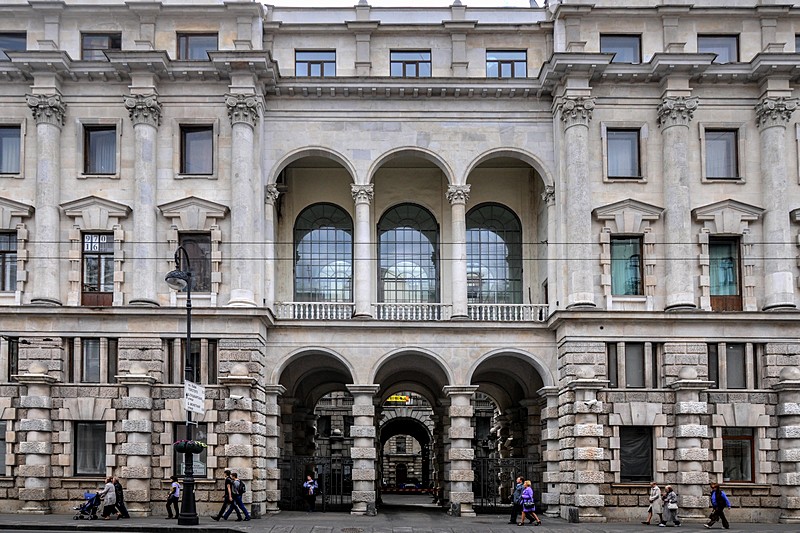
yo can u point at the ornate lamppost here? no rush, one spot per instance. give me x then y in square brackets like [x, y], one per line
[180, 279]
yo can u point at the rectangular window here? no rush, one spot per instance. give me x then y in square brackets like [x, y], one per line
[611, 363]
[410, 63]
[713, 365]
[200, 460]
[193, 368]
[797, 43]
[8, 261]
[735, 368]
[626, 266]
[203, 361]
[12, 42]
[195, 46]
[636, 453]
[634, 365]
[401, 444]
[623, 153]
[2, 447]
[506, 63]
[111, 365]
[722, 161]
[315, 63]
[734, 365]
[324, 426]
[93, 45]
[99, 149]
[626, 48]
[724, 274]
[90, 449]
[98, 269]
[198, 248]
[90, 361]
[13, 358]
[725, 46]
[10, 144]
[738, 457]
[197, 150]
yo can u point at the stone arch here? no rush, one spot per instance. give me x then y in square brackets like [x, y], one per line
[412, 151]
[388, 361]
[522, 155]
[537, 363]
[312, 379]
[310, 151]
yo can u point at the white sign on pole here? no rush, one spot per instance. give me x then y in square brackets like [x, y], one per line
[194, 395]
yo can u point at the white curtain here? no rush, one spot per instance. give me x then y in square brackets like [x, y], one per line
[623, 154]
[626, 278]
[102, 152]
[9, 150]
[723, 268]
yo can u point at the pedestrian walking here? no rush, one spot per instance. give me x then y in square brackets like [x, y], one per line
[655, 507]
[172, 497]
[238, 490]
[670, 510]
[516, 498]
[719, 501]
[109, 497]
[227, 500]
[123, 511]
[528, 505]
[310, 489]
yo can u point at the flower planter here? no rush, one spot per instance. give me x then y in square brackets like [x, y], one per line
[188, 447]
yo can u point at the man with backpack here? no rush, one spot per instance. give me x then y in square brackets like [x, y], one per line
[238, 489]
[227, 501]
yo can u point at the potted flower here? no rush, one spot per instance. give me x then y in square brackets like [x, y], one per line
[189, 446]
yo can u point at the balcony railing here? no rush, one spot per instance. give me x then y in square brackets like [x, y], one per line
[412, 312]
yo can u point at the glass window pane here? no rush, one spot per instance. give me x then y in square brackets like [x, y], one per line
[725, 46]
[721, 154]
[8, 261]
[90, 448]
[737, 454]
[101, 150]
[636, 453]
[10, 140]
[625, 47]
[735, 364]
[198, 150]
[198, 248]
[12, 42]
[196, 46]
[634, 365]
[713, 364]
[91, 361]
[323, 238]
[2, 448]
[611, 363]
[494, 255]
[199, 460]
[724, 267]
[623, 153]
[626, 266]
[301, 68]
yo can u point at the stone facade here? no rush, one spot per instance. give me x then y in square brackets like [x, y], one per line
[524, 168]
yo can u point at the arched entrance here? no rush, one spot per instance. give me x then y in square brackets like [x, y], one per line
[405, 445]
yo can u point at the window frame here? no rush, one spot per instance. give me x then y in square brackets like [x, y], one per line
[309, 63]
[644, 131]
[616, 365]
[727, 302]
[513, 258]
[11, 34]
[9, 354]
[641, 478]
[404, 64]
[751, 439]
[200, 433]
[9, 261]
[108, 359]
[733, 142]
[112, 38]
[640, 270]
[3, 447]
[184, 48]
[81, 127]
[21, 125]
[88, 162]
[720, 36]
[717, 365]
[20, 161]
[178, 140]
[637, 154]
[79, 442]
[207, 357]
[740, 147]
[513, 63]
[203, 272]
[633, 36]
[105, 260]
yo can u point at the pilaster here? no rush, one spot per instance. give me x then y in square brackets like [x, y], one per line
[551, 453]
[273, 449]
[461, 452]
[271, 196]
[788, 416]
[458, 195]
[364, 450]
[362, 250]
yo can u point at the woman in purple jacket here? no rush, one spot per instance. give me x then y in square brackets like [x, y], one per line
[528, 505]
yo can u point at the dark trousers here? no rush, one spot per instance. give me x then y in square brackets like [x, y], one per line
[516, 508]
[172, 501]
[227, 507]
[719, 514]
[123, 511]
[311, 502]
[235, 506]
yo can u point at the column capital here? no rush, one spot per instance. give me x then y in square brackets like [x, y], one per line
[458, 194]
[47, 109]
[363, 389]
[576, 110]
[549, 194]
[771, 111]
[272, 193]
[143, 109]
[676, 110]
[243, 108]
[278, 390]
[362, 194]
[459, 390]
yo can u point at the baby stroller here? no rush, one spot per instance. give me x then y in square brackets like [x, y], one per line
[88, 510]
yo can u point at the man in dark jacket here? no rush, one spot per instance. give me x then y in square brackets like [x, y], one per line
[227, 500]
[719, 501]
[123, 511]
[516, 501]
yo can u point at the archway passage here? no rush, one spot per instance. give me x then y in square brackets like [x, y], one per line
[509, 381]
[405, 444]
[315, 420]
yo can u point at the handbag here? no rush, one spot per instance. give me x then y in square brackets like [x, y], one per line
[672, 506]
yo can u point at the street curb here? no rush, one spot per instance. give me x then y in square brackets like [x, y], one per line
[108, 527]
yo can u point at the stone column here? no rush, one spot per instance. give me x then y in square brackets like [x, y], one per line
[674, 115]
[363, 451]
[273, 449]
[690, 431]
[37, 445]
[270, 229]
[588, 455]
[241, 431]
[461, 451]
[138, 427]
[439, 453]
[244, 112]
[772, 117]
[551, 452]
[145, 112]
[549, 197]
[576, 112]
[458, 195]
[532, 428]
[362, 251]
[788, 415]
[48, 112]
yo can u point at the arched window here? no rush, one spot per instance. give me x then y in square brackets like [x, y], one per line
[494, 255]
[408, 256]
[323, 255]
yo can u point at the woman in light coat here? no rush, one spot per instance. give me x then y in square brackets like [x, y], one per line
[109, 497]
[655, 504]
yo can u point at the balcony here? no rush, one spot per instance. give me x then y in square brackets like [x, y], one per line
[412, 312]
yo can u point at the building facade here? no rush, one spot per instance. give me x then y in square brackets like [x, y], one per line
[587, 212]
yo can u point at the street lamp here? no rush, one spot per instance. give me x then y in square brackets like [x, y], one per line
[180, 279]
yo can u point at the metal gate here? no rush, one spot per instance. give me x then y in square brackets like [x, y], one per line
[333, 475]
[493, 484]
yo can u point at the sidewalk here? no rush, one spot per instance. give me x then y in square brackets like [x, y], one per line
[391, 520]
